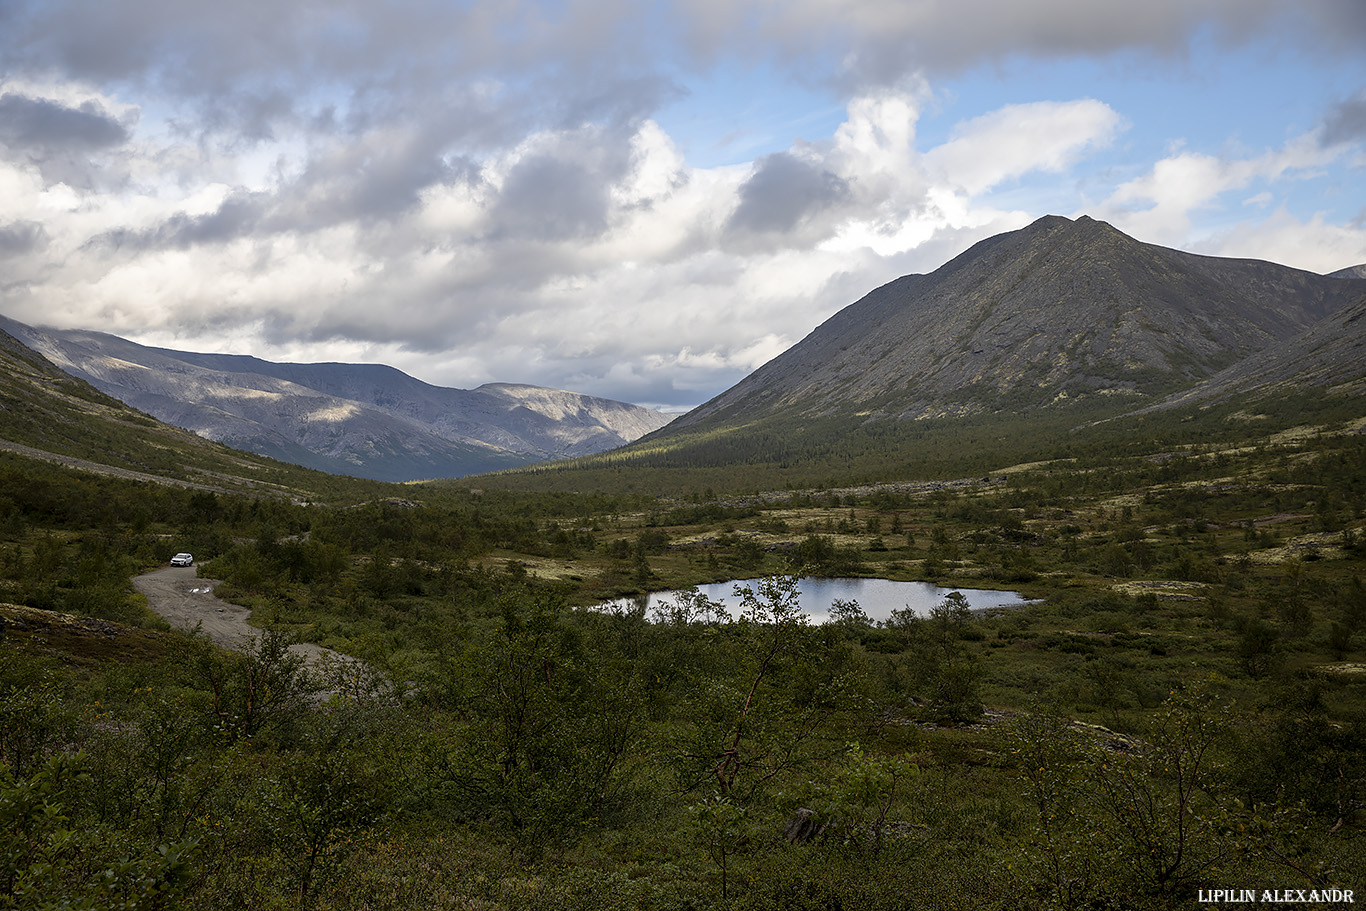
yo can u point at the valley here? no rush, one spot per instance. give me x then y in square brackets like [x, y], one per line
[1180, 705]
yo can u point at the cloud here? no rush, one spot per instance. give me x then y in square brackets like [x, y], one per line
[37, 125]
[879, 43]
[1159, 205]
[1019, 138]
[21, 238]
[60, 140]
[378, 175]
[1314, 243]
[783, 191]
[269, 60]
[546, 198]
[238, 215]
[1346, 122]
[592, 257]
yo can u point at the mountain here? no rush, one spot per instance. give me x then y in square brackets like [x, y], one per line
[1329, 355]
[1059, 311]
[369, 421]
[47, 414]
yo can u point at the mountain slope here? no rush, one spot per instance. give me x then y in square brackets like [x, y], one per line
[364, 420]
[527, 420]
[50, 415]
[1057, 311]
[1330, 355]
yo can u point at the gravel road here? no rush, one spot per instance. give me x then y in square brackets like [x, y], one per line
[177, 594]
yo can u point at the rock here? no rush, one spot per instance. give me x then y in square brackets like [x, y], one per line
[803, 827]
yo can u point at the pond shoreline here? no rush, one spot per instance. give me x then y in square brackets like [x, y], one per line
[877, 597]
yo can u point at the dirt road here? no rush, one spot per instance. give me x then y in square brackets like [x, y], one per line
[185, 600]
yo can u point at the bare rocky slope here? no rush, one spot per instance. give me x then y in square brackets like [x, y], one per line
[1058, 311]
[1330, 355]
[48, 414]
[369, 421]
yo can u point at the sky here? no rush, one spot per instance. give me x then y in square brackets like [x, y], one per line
[638, 200]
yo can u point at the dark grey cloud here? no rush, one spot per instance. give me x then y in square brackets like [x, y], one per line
[1346, 122]
[373, 159]
[859, 43]
[1342, 23]
[256, 67]
[457, 180]
[348, 188]
[610, 98]
[237, 216]
[546, 198]
[267, 52]
[63, 142]
[19, 238]
[43, 128]
[363, 182]
[363, 167]
[561, 191]
[784, 191]
[249, 117]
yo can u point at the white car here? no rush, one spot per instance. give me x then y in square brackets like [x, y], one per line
[182, 560]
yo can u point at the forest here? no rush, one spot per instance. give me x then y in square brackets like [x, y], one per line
[1178, 708]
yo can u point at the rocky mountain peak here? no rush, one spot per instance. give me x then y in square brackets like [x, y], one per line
[1059, 310]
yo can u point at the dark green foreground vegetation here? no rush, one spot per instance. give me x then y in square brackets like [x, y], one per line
[1182, 710]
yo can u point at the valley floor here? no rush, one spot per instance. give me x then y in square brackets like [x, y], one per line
[1181, 710]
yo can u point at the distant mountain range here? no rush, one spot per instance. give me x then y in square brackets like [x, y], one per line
[368, 421]
[1056, 313]
[50, 415]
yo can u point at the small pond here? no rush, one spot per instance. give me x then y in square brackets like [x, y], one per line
[877, 597]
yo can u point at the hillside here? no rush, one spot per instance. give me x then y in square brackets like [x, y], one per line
[1195, 625]
[1330, 355]
[49, 415]
[364, 420]
[1057, 311]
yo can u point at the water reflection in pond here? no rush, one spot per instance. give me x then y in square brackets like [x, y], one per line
[877, 597]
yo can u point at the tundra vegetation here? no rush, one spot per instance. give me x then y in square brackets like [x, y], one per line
[1180, 709]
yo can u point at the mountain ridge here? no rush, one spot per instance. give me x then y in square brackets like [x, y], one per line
[1058, 310]
[49, 415]
[1330, 355]
[366, 420]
